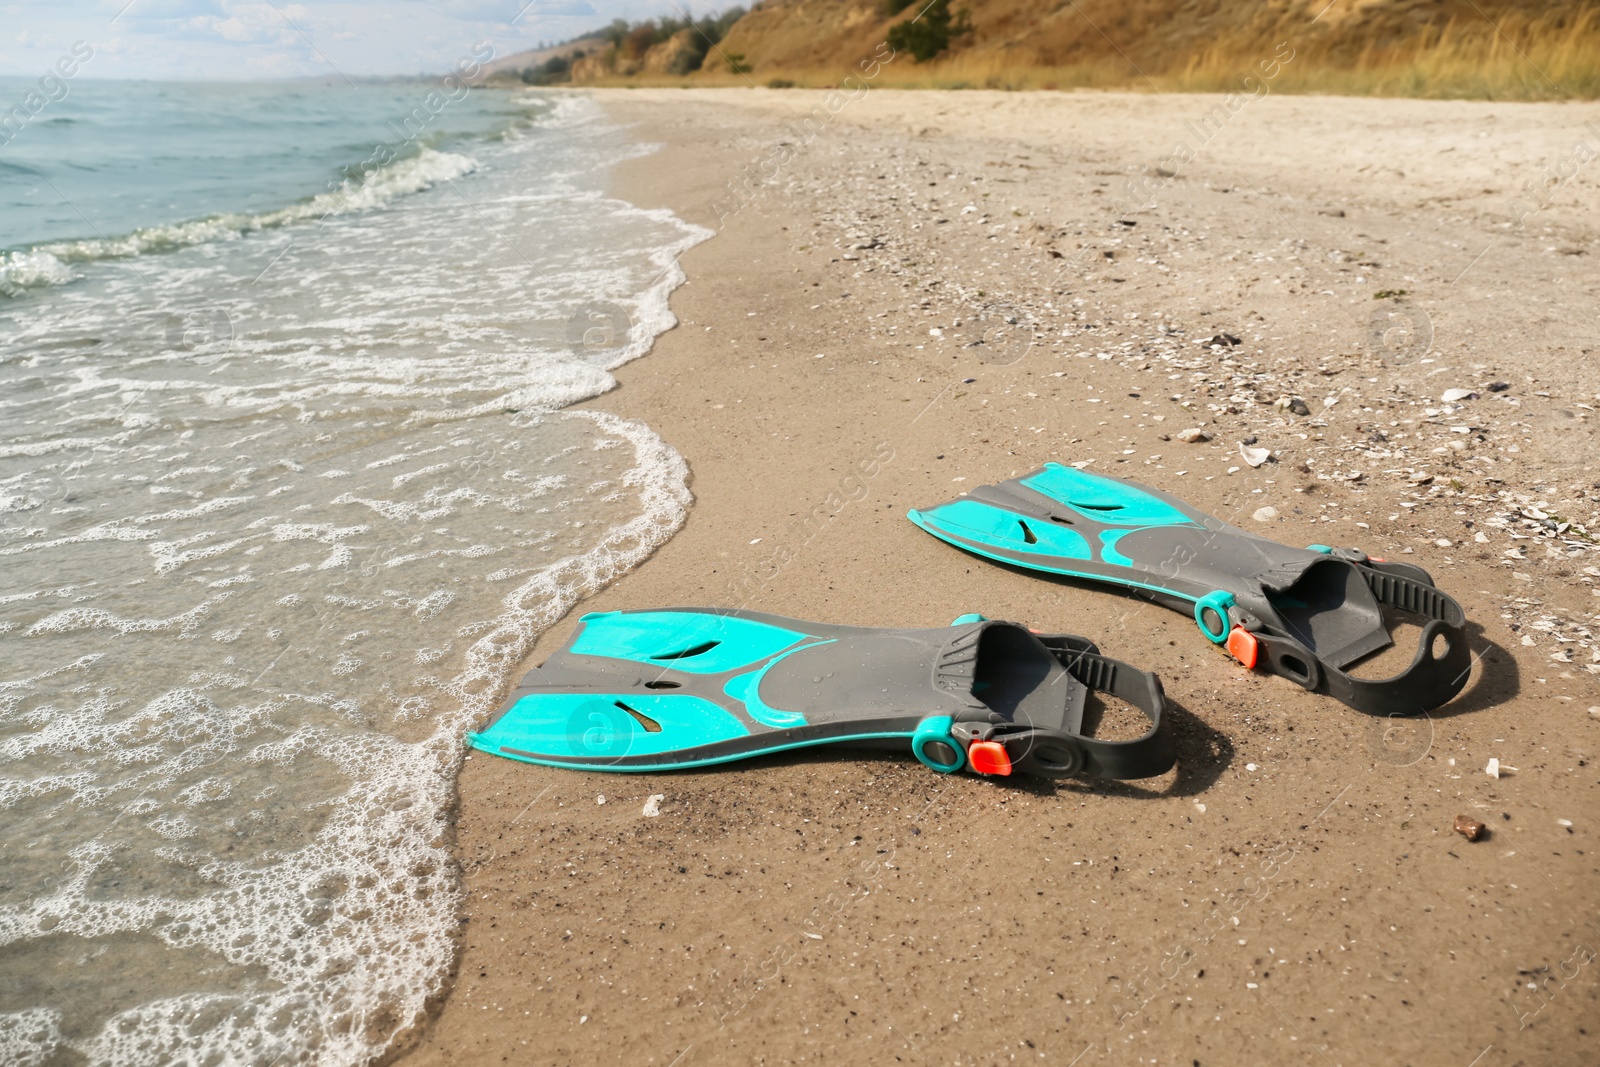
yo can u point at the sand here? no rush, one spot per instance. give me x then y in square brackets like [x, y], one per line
[1293, 892]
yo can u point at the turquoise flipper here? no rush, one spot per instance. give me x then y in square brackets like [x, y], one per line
[685, 687]
[1306, 614]
[699, 643]
[1094, 497]
[580, 725]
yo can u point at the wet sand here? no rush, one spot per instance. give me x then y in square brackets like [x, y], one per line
[1293, 891]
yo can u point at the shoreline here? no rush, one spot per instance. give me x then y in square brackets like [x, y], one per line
[778, 910]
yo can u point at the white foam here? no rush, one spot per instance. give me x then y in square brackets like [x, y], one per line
[269, 737]
[30, 1038]
[384, 843]
[48, 264]
[26, 270]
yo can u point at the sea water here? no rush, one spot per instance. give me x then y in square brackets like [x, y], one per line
[286, 491]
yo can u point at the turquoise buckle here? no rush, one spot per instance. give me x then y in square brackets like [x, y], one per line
[1217, 604]
[947, 754]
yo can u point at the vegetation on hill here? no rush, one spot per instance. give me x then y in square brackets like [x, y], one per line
[666, 46]
[552, 71]
[927, 34]
[1486, 49]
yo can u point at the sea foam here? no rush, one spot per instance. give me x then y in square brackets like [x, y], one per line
[50, 264]
[260, 580]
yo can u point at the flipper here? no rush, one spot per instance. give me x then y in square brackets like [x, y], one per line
[688, 687]
[1307, 614]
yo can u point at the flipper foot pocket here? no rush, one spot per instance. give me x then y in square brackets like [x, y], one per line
[675, 688]
[1305, 614]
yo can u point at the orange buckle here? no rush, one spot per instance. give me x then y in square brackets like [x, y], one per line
[989, 757]
[1243, 646]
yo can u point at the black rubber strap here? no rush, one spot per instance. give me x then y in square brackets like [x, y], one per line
[1052, 754]
[1437, 673]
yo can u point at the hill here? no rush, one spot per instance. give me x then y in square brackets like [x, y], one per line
[655, 48]
[513, 65]
[1498, 49]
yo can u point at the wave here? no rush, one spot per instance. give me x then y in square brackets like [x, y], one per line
[47, 264]
[330, 920]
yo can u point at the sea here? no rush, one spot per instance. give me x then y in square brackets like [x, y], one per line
[287, 488]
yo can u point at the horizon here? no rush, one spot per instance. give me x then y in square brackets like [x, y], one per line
[245, 41]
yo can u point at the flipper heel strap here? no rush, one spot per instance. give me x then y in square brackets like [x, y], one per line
[1437, 672]
[1444, 658]
[1306, 614]
[1051, 753]
[673, 688]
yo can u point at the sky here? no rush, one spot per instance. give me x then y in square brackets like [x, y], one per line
[260, 39]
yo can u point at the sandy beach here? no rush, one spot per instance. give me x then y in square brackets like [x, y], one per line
[1293, 891]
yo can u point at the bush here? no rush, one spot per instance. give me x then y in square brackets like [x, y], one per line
[551, 72]
[640, 39]
[928, 35]
[780, 83]
[737, 65]
[635, 39]
[704, 35]
[712, 32]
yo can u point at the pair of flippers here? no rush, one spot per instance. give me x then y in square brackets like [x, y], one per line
[690, 687]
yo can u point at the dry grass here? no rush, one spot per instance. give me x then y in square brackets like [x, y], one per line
[1501, 50]
[1550, 56]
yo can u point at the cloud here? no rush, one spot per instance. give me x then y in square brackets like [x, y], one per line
[519, 12]
[239, 22]
[231, 39]
[557, 9]
[156, 9]
[245, 22]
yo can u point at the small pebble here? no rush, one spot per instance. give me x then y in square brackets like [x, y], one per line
[1450, 396]
[1266, 514]
[1468, 827]
[652, 807]
[1193, 436]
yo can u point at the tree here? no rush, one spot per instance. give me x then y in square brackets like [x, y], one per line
[927, 34]
[552, 71]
